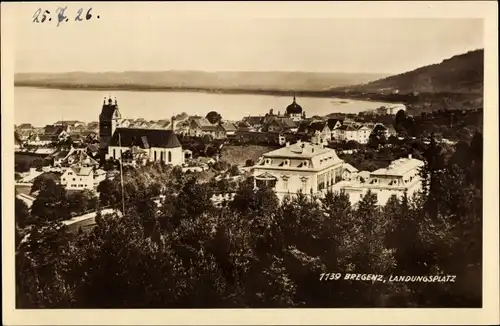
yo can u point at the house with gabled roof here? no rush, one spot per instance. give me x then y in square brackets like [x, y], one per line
[163, 124]
[334, 123]
[73, 156]
[244, 127]
[78, 177]
[199, 127]
[54, 134]
[182, 127]
[254, 122]
[229, 128]
[321, 129]
[279, 124]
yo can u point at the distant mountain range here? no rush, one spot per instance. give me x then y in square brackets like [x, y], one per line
[456, 82]
[195, 80]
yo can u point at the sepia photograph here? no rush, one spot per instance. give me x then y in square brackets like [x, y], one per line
[241, 156]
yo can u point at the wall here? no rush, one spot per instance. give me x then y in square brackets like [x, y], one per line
[177, 155]
[79, 182]
[294, 184]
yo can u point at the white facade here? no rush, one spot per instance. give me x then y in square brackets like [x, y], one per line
[347, 133]
[303, 167]
[295, 116]
[312, 169]
[363, 134]
[401, 175]
[78, 178]
[174, 156]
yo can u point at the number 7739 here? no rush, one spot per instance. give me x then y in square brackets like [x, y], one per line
[329, 276]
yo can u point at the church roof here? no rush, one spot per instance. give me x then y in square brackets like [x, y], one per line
[253, 120]
[144, 138]
[294, 108]
[332, 122]
[54, 130]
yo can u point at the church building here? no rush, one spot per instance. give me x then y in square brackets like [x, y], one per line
[294, 111]
[109, 119]
[156, 145]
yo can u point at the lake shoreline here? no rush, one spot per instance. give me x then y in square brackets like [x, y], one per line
[285, 93]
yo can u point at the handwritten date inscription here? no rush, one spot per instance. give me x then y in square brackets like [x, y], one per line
[63, 16]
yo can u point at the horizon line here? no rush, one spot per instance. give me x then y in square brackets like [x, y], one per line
[248, 71]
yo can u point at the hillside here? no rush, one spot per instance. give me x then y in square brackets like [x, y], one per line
[459, 74]
[456, 82]
[195, 80]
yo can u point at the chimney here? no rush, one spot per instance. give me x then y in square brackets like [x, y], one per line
[172, 123]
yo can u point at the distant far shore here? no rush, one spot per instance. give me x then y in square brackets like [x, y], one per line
[146, 88]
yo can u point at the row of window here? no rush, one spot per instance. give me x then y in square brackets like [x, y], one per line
[74, 179]
[76, 186]
[268, 183]
[162, 158]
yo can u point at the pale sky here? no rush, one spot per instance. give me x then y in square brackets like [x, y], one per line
[173, 36]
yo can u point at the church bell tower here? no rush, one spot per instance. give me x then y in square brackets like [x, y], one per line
[109, 120]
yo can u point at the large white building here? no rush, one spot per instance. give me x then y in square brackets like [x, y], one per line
[302, 167]
[360, 134]
[400, 176]
[313, 169]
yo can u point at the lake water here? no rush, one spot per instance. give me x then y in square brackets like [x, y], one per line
[45, 106]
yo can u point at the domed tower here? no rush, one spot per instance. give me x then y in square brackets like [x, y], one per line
[109, 120]
[294, 111]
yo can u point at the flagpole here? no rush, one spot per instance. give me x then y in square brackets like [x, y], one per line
[121, 173]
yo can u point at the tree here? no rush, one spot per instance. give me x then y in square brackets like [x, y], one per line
[249, 162]
[211, 151]
[192, 200]
[234, 171]
[373, 141]
[51, 204]
[248, 200]
[213, 117]
[109, 192]
[400, 121]
[81, 201]
[22, 213]
[432, 169]
[43, 180]
[22, 166]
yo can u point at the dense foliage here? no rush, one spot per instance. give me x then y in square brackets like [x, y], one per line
[258, 252]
